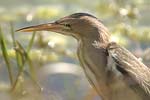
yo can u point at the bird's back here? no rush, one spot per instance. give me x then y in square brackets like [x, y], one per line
[111, 87]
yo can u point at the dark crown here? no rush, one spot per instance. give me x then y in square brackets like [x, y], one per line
[78, 15]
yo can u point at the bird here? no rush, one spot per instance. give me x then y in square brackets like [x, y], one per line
[132, 68]
[89, 32]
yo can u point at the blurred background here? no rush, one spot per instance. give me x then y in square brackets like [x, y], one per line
[44, 65]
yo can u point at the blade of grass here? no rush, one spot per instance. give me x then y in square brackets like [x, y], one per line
[26, 58]
[12, 33]
[18, 56]
[22, 54]
[21, 61]
[5, 55]
[26, 54]
[31, 68]
[31, 42]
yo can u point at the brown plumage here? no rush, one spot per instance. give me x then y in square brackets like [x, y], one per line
[129, 65]
[89, 32]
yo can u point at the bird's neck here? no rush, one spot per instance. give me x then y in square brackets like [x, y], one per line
[94, 56]
[101, 36]
[94, 62]
[89, 41]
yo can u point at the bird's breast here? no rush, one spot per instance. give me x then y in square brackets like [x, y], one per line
[92, 58]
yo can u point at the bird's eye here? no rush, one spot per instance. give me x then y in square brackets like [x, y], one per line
[67, 25]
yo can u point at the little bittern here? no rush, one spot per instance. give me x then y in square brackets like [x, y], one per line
[89, 31]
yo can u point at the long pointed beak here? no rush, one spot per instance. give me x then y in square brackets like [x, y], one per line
[41, 27]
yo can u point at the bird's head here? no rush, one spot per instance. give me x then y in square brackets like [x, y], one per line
[78, 25]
